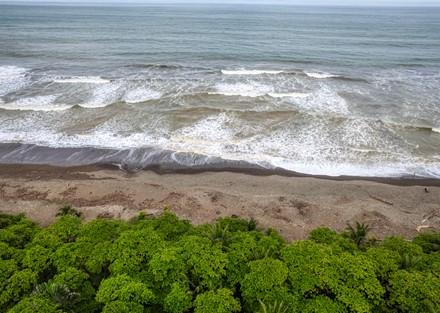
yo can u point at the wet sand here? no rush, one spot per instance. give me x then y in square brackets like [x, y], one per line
[289, 203]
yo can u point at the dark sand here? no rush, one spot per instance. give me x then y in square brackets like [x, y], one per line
[291, 204]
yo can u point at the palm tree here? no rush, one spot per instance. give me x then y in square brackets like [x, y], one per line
[253, 224]
[219, 234]
[68, 210]
[57, 293]
[358, 235]
[273, 308]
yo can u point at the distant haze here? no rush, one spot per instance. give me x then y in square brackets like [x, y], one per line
[285, 2]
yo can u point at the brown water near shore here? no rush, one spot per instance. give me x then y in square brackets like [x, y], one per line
[290, 203]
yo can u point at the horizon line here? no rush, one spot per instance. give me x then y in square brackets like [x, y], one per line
[159, 2]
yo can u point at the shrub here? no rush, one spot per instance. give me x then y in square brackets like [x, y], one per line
[428, 242]
[359, 234]
[68, 210]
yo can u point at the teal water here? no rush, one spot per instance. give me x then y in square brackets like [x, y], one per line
[319, 90]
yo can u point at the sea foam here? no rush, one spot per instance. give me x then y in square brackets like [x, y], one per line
[320, 75]
[12, 78]
[251, 89]
[38, 103]
[288, 95]
[250, 72]
[140, 95]
[82, 80]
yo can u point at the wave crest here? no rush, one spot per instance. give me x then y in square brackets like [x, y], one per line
[320, 75]
[82, 80]
[250, 72]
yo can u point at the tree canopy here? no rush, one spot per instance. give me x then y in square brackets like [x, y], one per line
[164, 264]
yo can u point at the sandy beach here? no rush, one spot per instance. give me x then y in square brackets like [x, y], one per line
[292, 205]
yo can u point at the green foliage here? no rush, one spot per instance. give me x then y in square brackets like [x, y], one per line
[415, 291]
[410, 254]
[123, 307]
[9, 219]
[35, 305]
[97, 236]
[314, 270]
[273, 308]
[219, 234]
[204, 263]
[179, 299]
[66, 228]
[327, 236]
[126, 289]
[132, 251]
[358, 234]
[166, 265]
[5, 251]
[169, 227]
[57, 293]
[19, 233]
[102, 230]
[68, 210]
[250, 246]
[7, 269]
[253, 225]
[386, 262]
[266, 276]
[271, 245]
[240, 253]
[37, 258]
[411, 261]
[19, 284]
[216, 301]
[46, 239]
[401, 246]
[428, 242]
[323, 304]
[233, 224]
[78, 282]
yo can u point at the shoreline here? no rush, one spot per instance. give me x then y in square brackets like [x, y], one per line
[15, 169]
[291, 203]
[165, 162]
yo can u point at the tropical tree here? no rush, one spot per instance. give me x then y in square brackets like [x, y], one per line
[358, 234]
[78, 282]
[17, 286]
[216, 301]
[68, 210]
[57, 293]
[179, 299]
[124, 293]
[266, 282]
[415, 292]
[36, 305]
[205, 263]
[348, 279]
[132, 251]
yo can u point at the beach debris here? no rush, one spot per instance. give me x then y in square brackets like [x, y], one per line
[382, 200]
[431, 214]
[34, 179]
[419, 228]
[106, 215]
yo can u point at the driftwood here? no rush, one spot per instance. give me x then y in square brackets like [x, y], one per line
[419, 228]
[431, 214]
[381, 200]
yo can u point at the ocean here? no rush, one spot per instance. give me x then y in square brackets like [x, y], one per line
[314, 90]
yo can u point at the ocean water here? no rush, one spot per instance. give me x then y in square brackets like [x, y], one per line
[316, 90]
